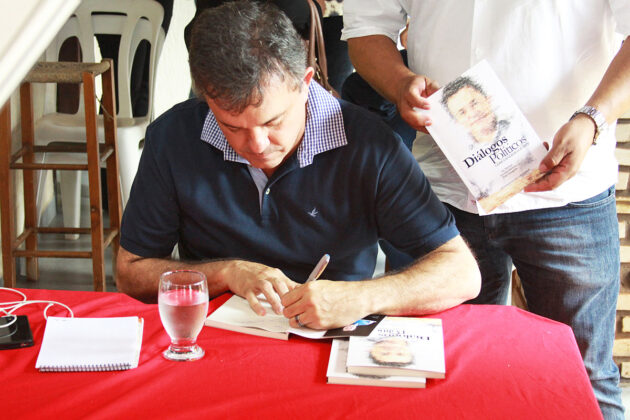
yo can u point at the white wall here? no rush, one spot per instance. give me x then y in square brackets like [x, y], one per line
[173, 76]
[172, 86]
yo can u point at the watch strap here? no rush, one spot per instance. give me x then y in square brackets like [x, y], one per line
[597, 117]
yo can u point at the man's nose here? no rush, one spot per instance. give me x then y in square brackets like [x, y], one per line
[259, 140]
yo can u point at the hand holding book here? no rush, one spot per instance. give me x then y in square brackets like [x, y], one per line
[570, 145]
[412, 98]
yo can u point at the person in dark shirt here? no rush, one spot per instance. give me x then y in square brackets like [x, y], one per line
[339, 65]
[268, 172]
[296, 10]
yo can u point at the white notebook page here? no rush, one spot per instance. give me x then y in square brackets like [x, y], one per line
[90, 344]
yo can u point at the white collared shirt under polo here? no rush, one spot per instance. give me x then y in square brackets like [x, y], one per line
[323, 131]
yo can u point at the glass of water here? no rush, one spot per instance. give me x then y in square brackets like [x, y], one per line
[183, 305]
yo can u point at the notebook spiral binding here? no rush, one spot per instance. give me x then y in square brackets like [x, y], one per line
[86, 368]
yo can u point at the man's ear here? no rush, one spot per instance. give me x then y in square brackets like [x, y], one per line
[308, 76]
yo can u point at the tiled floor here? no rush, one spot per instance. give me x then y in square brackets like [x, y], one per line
[68, 273]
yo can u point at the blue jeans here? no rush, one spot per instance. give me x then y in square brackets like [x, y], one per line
[568, 261]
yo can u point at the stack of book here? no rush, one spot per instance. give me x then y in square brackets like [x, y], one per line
[400, 352]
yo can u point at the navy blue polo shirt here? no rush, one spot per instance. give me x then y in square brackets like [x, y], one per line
[352, 186]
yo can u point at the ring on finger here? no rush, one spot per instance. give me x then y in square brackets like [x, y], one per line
[297, 319]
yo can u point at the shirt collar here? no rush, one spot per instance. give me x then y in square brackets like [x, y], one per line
[323, 131]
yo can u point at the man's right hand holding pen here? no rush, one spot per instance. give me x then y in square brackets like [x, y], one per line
[320, 304]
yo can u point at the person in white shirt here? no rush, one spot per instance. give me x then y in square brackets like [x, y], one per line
[562, 63]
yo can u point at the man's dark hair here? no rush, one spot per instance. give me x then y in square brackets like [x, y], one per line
[455, 86]
[238, 47]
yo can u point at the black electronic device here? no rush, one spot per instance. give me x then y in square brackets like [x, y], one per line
[17, 334]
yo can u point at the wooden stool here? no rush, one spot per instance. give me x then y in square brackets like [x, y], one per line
[518, 294]
[61, 72]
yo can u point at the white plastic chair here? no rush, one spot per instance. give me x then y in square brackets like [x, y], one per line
[134, 21]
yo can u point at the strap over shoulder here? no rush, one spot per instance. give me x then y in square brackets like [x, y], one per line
[317, 50]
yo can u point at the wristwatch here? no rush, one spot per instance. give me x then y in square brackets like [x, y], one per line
[597, 117]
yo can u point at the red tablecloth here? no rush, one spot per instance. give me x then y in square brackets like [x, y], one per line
[501, 363]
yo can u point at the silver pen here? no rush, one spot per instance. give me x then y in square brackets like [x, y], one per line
[319, 268]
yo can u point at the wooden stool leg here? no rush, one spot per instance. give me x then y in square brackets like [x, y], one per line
[6, 198]
[113, 186]
[518, 294]
[94, 179]
[30, 205]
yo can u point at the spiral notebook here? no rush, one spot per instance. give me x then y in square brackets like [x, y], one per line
[90, 344]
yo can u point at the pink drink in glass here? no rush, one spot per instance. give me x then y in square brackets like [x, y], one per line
[183, 313]
[183, 306]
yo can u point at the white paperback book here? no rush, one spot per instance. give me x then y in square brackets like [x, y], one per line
[90, 344]
[337, 373]
[485, 137]
[400, 346]
[236, 315]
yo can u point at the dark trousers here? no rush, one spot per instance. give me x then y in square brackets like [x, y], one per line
[356, 90]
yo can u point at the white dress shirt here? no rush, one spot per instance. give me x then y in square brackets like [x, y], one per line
[549, 54]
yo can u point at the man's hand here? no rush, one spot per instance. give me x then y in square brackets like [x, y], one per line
[249, 279]
[324, 304]
[570, 145]
[412, 94]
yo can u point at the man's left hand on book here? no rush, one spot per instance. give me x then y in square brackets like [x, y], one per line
[249, 279]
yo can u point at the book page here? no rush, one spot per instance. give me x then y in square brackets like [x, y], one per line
[236, 311]
[485, 136]
[90, 343]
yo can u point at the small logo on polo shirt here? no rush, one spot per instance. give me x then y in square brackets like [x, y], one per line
[313, 213]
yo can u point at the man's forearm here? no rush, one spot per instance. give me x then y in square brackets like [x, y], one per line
[377, 59]
[139, 277]
[612, 96]
[442, 279]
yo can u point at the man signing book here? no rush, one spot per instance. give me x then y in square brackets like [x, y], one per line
[267, 171]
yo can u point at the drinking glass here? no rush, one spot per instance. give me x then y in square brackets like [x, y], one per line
[183, 305]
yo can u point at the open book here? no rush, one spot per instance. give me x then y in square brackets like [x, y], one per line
[485, 137]
[236, 315]
[400, 346]
[90, 344]
[337, 373]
